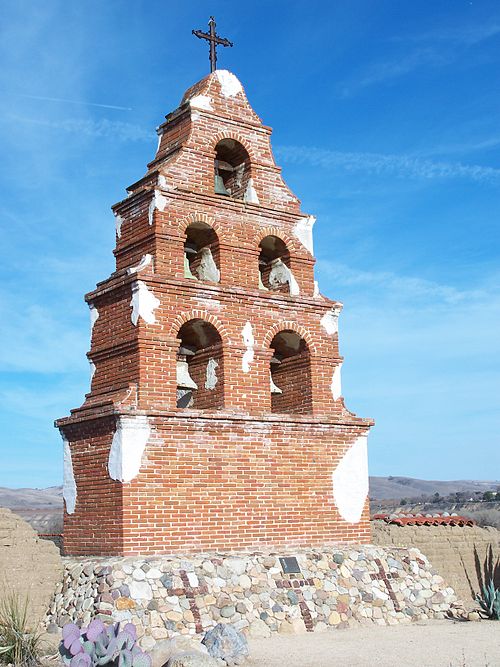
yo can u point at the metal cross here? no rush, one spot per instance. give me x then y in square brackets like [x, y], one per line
[214, 39]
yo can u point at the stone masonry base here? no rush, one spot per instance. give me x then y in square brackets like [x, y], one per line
[338, 586]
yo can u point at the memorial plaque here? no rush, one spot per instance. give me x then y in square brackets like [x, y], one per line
[289, 565]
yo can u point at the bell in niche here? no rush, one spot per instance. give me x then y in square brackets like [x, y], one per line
[184, 380]
[220, 188]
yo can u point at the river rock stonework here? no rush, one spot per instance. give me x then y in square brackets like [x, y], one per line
[337, 588]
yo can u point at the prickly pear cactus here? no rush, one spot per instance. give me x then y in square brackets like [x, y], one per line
[99, 645]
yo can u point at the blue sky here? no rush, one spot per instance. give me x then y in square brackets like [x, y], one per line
[385, 118]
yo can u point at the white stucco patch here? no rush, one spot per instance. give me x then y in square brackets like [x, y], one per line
[211, 379]
[350, 481]
[250, 193]
[303, 230]
[118, 225]
[128, 445]
[336, 384]
[248, 342]
[316, 292]
[330, 321]
[201, 102]
[230, 86]
[94, 315]
[143, 303]
[69, 483]
[145, 261]
[92, 370]
[159, 202]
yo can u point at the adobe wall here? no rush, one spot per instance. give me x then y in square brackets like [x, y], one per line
[458, 554]
[30, 567]
[336, 587]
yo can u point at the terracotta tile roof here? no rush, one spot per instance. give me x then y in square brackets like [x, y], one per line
[444, 519]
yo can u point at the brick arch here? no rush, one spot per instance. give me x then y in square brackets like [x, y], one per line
[199, 315]
[275, 231]
[290, 326]
[200, 217]
[237, 137]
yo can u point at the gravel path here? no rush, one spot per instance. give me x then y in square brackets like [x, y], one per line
[423, 644]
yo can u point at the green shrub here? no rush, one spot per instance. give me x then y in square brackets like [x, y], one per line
[19, 643]
[490, 601]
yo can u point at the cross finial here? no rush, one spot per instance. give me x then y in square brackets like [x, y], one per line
[214, 39]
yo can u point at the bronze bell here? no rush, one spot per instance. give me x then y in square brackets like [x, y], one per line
[220, 188]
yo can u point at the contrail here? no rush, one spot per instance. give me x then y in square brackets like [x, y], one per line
[88, 104]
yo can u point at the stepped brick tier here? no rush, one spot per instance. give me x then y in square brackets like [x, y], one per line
[215, 418]
[256, 593]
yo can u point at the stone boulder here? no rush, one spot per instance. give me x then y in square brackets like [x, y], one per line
[194, 659]
[30, 567]
[225, 643]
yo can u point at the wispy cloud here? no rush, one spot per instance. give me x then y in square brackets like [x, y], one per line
[466, 35]
[411, 289]
[431, 49]
[401, 166]
[103, 128]
[39, 339]
[79, 102]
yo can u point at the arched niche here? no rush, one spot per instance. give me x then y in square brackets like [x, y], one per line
[201, 253]
[200, 366]
[290, 374]
[231, 169]
[274, 266]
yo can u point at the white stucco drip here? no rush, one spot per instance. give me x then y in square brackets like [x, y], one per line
[143, 303]
[160, 134]
[229, 84]
[350, 481]
[303, 230]
[128, 445]
[92, 370]
[145, 261]
[330, 321]
[336, 384]
[159, 202]
[94, 316]
[248, 342]
[69, 483]
[294, 285]
[201, 102]
[118, 224]
[251, 196]
[316, 292]
[162, 182]
[211, 379]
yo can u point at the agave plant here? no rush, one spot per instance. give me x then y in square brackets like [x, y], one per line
[99, 645]
[490, 601]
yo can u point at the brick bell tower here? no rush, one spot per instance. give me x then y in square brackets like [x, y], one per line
[215, 419]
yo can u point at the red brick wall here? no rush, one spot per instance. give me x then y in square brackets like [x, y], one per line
[234, 474]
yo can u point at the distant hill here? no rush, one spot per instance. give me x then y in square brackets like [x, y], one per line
[407, 487]
[381, 488]
[50, 498]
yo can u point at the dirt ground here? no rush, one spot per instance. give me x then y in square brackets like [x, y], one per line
[423, 644]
